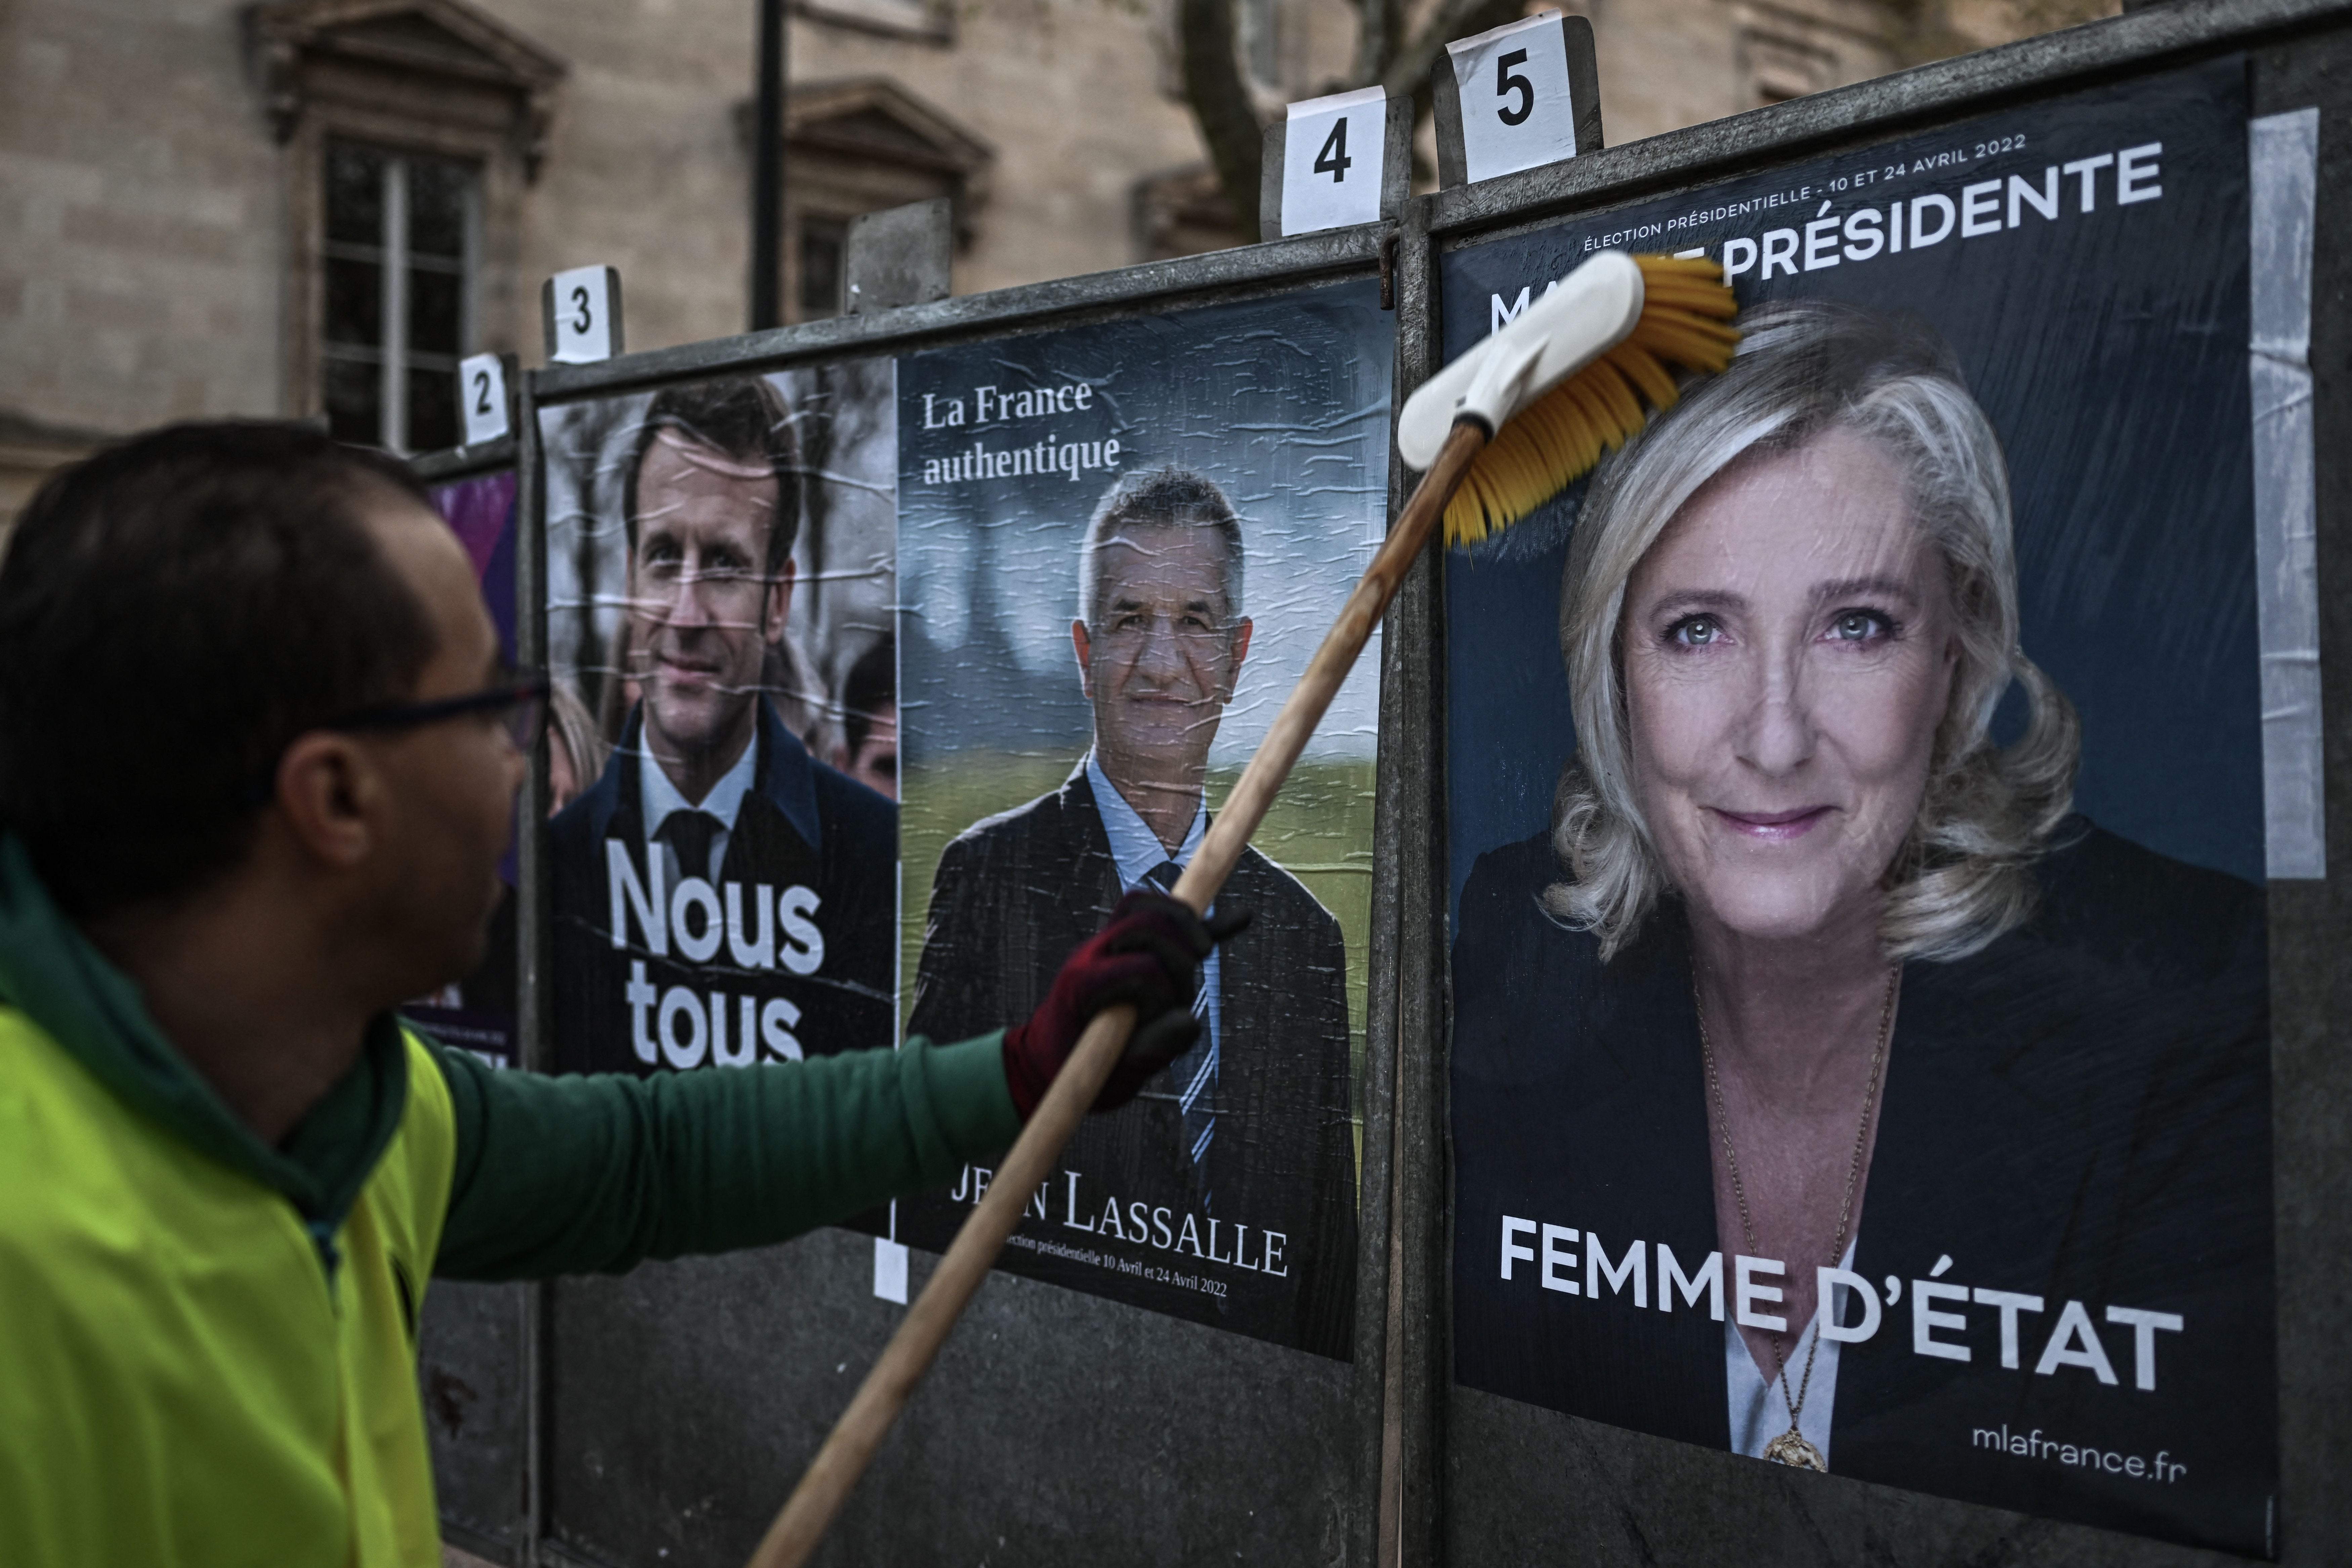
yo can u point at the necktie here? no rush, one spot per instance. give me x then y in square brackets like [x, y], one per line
[1196, 1069]
[690, 834]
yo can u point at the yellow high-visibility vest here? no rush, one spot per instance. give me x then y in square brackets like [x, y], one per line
[187, 1375]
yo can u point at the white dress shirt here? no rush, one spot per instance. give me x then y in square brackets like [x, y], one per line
[657, 798]
[1760, 1412]
[1135, 849]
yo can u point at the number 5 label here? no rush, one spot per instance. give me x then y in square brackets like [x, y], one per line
[1518, 109]
[582, 309]
[482, 395]
[1332, 152]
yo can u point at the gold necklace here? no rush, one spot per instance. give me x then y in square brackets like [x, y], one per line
[1793, 1448]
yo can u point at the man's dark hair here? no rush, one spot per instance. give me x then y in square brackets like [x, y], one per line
[1161, 498]
[174, 612]
[738, 416]
[872, 685]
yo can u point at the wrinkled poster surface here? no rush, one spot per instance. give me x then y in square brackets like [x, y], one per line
[1119, 546]
[722, 750]
[1994, 397]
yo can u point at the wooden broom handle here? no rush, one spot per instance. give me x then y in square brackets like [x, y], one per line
[916, 1345]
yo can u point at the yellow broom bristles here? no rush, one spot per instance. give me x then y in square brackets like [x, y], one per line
[1686, 312]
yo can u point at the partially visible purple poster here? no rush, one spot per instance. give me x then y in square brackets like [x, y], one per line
[477, 1012]
[481, 511]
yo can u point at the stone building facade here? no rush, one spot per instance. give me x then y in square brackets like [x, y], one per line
[307, 206]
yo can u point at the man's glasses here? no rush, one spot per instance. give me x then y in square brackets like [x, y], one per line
[518, 704]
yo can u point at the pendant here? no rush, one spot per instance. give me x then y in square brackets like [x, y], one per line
[1791, 1448]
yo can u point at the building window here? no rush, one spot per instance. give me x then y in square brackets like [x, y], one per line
[863, 145]
[402, 254]
[931, 21]
[411, 131]
[822, 240]
[1184, 212]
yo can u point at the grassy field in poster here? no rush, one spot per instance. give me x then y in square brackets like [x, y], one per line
[1320, 831]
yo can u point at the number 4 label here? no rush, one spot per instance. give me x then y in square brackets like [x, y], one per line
[1331, 154]
[1517, 111]
[482, 394]
[1333, 159]
[583, 312]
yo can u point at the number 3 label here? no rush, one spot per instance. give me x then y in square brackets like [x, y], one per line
[1331, 152]
[482, 394]
[580, 312]
[1515, 107]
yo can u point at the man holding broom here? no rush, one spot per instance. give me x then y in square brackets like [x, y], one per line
[257, 772]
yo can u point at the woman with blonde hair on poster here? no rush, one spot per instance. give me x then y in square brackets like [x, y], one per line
[1814, 985]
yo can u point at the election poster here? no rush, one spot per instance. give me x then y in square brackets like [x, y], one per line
[724, 841]
[1860, 836]
[1119, 546]
[478, 1014]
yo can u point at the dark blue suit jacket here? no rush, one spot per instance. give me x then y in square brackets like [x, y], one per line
[1013, 895]
[2080, 1113]
[802, 826]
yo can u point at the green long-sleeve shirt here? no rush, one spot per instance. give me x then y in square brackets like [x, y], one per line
[554, 1175]
[561, 1175]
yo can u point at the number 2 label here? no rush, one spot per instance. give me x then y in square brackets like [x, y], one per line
[483, 378]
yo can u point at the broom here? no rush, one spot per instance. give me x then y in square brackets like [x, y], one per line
[1499, 432]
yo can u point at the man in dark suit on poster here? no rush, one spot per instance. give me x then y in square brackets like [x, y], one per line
[720, 896]
[1243, 1153]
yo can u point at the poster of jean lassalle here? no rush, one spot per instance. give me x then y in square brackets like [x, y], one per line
[723, 844]
[1119, 546]
[1860, 1031]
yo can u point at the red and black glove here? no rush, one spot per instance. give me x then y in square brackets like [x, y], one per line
[1148, 954]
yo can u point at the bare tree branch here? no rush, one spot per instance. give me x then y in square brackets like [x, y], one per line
[1408, 70]
[1228, 118]
[1220, 102]
[1381, 27]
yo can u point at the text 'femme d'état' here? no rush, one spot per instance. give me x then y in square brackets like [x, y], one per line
[1033, 425]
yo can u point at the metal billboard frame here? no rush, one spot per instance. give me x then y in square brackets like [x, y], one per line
[2299, 53]
[1273, 268]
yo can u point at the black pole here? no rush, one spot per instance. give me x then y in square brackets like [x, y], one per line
[768, 172]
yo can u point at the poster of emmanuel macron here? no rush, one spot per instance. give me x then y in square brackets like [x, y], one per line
[1227, 1191]
[721, 895]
